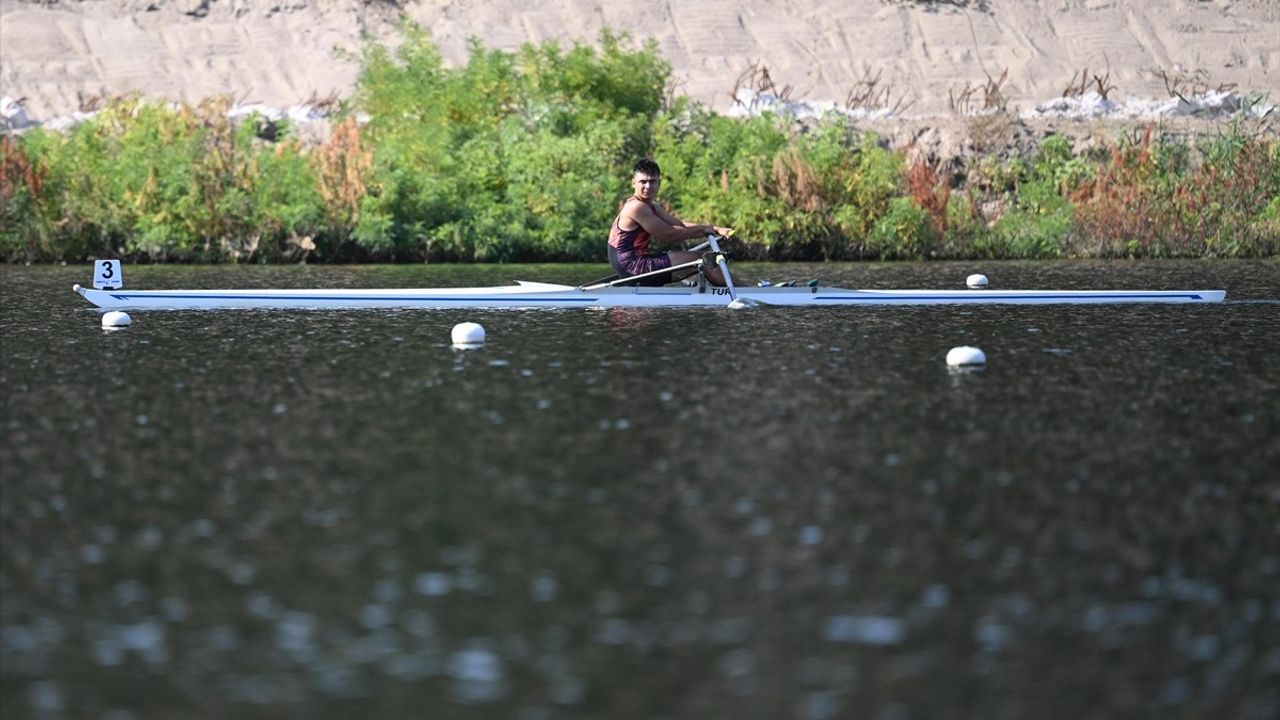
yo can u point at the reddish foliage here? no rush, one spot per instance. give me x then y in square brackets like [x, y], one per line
[343, 163]
[930, 188]
[1135, 206]
[16, 171]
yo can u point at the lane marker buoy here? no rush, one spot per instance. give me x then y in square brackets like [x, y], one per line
[116, 319]
[976, 281]
[468, 333]
[966, 356]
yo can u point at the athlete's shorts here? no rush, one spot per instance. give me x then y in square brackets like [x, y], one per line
[632, 264]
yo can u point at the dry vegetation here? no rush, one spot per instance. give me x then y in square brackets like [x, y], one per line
[870, 94]
[1084, 82]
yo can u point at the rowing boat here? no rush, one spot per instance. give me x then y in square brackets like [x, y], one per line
[613, 292]
[536, 294]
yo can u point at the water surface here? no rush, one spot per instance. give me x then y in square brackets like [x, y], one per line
[643, 513]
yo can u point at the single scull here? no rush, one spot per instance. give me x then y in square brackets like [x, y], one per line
[110, 294]
[534, 295]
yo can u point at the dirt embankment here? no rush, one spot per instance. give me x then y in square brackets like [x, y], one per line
[918, 56]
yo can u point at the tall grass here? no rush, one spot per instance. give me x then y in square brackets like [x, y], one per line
[1151, 198]
[526, 155]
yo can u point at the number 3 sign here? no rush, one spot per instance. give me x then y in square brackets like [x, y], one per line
[106, 275]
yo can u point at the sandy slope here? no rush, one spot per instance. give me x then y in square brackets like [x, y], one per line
[281, 51]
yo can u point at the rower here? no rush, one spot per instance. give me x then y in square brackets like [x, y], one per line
[641, 219]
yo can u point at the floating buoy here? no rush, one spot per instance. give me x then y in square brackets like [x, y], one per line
[976, 281]
[966, 356]
[468, 333]
[116, 319]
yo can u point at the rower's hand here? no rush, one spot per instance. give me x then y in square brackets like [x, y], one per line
[723, 231]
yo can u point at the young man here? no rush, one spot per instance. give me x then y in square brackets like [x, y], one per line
[640, 220]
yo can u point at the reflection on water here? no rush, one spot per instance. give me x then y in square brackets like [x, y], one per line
[642, 513]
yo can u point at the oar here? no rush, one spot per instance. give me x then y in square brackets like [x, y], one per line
[723, 263]
[615, 281]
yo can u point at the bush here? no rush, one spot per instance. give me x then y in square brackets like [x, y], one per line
[903, 231]
[1150, 199]
[789, 192]
[153, 182]
[524, 156]
[512, 157]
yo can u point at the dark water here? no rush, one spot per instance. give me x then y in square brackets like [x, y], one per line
[643, 514]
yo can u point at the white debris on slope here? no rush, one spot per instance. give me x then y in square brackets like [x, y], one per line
[749, 103]
[13, 115]
[1089, 106]
[299, 114]
[1213, 104]
[64, 123]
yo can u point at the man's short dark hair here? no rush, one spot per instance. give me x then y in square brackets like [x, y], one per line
[646, 166]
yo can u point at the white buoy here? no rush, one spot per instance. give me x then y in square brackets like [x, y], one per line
[468, 333]
[116, 319]
[966, 356]
[976, 281]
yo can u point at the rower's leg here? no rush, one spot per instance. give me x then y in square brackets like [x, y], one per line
[679, 257]
[708, 268]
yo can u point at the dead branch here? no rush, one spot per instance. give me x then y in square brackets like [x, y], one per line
[757, 79]
[867, 94]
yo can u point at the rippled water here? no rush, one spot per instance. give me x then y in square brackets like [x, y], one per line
[646, 513]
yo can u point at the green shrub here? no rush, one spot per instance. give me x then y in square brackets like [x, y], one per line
[511, 157]
[902, 232]
[1025, 233]
[788, 192]
[526, 155]
[153, 182]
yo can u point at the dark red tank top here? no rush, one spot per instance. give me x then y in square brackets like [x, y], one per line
[629, 241]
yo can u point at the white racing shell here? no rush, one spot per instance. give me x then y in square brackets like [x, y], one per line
[545, 295]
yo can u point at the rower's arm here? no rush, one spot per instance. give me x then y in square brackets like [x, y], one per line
[705, 229]
[663, 227]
